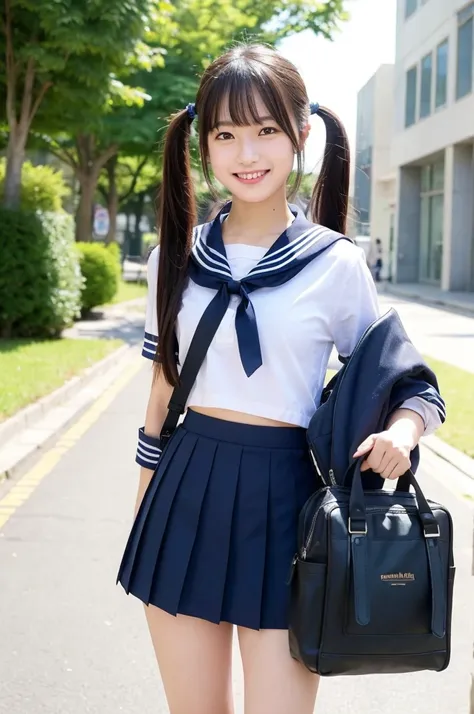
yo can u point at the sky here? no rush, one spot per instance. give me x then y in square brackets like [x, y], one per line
[334, 71]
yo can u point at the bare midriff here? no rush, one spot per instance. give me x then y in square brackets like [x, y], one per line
[239, 417]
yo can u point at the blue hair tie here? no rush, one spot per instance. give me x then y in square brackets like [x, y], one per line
[191, 109]
[314, 107]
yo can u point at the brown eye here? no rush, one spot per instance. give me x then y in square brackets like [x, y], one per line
[224, 136]
[268, 130]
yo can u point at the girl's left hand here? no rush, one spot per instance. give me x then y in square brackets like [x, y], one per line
[389, 453]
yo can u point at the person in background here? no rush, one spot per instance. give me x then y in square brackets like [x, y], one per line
[377, 264]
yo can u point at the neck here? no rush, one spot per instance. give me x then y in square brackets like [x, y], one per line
[257, 223]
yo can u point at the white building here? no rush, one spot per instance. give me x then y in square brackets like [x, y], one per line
[374, 178]
[433, 143]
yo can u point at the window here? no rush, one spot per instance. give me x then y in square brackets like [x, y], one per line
[410, 7]
[410, 97]
[465, 51]
[425, 93]
[441, 89]
[431, 233]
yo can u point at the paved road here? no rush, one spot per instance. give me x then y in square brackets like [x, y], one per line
[441, 334]
[72, 643]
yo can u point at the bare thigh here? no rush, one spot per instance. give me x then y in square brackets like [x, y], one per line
[195, 661]
[275, 683]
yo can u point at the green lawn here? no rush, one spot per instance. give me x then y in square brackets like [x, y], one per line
[457, 389]
[29, 369]
[129, 291]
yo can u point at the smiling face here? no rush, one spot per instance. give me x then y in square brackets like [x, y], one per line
[253, 113]
[252, 161]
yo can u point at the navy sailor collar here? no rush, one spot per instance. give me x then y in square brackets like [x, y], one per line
[297, 246]
[291, 248]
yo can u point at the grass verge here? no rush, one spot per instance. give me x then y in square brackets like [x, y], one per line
[129, 291]
[30, 369]
[457, 389]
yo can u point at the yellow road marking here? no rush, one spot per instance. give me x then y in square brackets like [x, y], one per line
[22, 490]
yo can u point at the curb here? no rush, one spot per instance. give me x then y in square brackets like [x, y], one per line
[55, 416]
[30, 415]
[456, 458]
[450, 305]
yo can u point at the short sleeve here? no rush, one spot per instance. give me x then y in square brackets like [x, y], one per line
[355, 307]
[150, 340]
[355, 303]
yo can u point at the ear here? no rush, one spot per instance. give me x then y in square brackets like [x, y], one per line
[304, 135]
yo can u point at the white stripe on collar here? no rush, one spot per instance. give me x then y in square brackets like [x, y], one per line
[206, 262]
[306, 240]
[287, 259]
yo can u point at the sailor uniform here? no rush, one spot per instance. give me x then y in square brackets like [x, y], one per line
[216, 530]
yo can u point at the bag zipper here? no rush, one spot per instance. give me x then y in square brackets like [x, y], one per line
[370, 509]
[320, 474]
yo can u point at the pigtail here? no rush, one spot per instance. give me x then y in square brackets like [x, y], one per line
[330, 199]
[177, 217]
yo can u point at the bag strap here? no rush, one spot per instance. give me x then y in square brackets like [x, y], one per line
[357, 531]
[200, 342]
[197, 351]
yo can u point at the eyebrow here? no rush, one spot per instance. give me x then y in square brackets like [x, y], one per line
[261, 120]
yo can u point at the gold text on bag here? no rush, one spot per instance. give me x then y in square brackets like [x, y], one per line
[398, 578]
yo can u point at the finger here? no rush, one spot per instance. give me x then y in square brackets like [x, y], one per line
[365, 447]
[387, 458]
[391, 471]
[375, 457]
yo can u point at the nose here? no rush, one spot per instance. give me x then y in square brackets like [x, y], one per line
[248, 153]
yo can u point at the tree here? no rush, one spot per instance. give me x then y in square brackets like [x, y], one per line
[201, 30]
[64, 51]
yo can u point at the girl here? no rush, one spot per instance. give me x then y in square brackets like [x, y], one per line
[215, 528]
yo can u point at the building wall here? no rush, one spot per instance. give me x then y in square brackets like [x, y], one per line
[375, 176]
[444, 137]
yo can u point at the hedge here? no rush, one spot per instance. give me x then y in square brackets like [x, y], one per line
[43, 188]
[100, 268]
[40, 279]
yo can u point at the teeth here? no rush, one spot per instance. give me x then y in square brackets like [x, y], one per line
[255, 175]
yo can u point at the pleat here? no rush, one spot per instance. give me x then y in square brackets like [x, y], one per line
[129, 556]
[182, 528]
[152, 537]
[211, 552]
[244, 582]
[281, 537]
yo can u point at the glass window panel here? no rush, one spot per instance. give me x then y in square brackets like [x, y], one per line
[441, 91]
[465, 59]
[424, 238]
[410, 7]
[436, 257]
[466, 13]
[438, 176]
[426, 178]
[410, 99]
[425, 93]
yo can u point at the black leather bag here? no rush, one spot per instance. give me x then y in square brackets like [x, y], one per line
[372, 582]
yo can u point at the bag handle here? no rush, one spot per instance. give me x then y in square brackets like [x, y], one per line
[358, 533]
[357, 513]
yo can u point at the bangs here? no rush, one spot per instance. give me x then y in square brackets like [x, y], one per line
[233, 96]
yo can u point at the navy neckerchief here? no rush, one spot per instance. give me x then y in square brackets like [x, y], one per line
[298, 245]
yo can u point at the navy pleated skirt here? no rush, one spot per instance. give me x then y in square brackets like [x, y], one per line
[216, 531]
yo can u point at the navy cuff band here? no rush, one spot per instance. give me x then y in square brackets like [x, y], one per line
[148, 450]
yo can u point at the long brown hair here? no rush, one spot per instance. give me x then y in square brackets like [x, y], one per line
[236, 78]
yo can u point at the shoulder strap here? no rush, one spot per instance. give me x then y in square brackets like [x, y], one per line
[202, 338]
